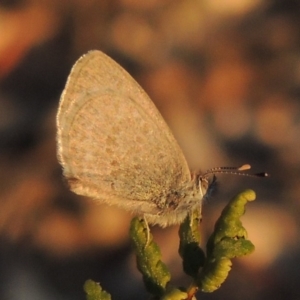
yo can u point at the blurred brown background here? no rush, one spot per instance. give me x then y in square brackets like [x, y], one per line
[226, 77]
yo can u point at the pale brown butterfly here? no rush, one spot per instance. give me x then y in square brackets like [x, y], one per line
[115, 147]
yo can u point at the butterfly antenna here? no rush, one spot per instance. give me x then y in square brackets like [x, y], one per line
[234, 171]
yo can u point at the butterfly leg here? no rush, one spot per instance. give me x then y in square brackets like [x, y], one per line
[148, 231]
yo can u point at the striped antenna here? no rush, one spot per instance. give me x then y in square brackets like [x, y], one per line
[234, 171]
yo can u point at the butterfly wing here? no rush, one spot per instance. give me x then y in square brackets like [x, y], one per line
[113, 143]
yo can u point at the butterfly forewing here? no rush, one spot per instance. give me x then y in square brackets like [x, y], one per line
[112, 142]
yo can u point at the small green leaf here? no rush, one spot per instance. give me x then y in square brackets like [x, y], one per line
[231, 248]
[94, 291]
[214, 274]
[228, 240]
[193, 256]
[229, 224]
[154, 271]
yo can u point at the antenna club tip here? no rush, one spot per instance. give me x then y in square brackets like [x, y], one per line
[244, 167]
